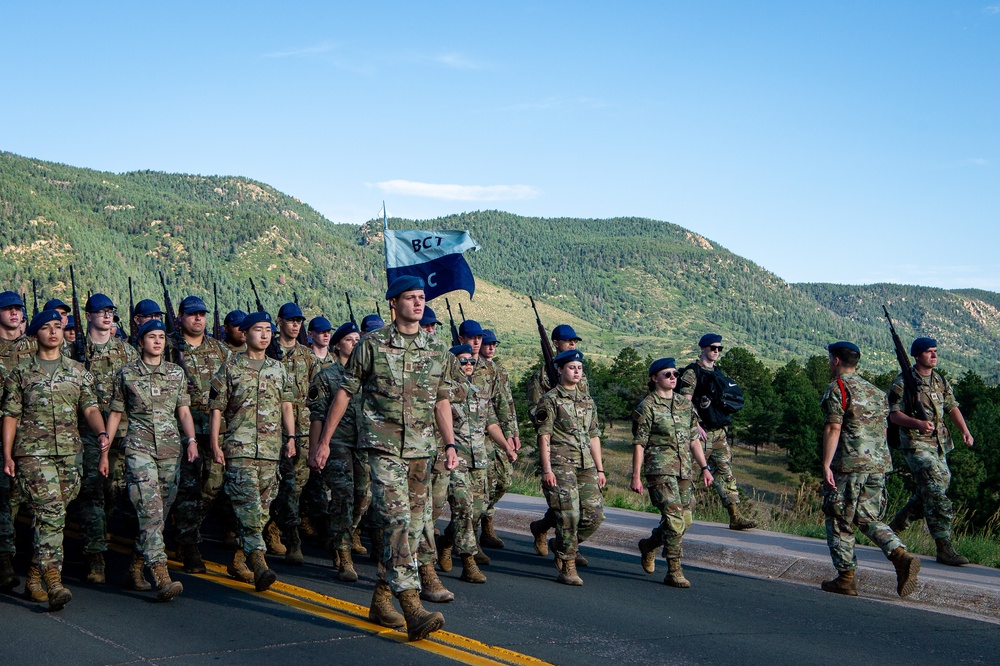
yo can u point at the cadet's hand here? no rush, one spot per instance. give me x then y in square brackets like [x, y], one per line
[450, 458]
[511, 455]
[549, 480]
[636, 485]
[103, 466]
[701, 434]
[602, 479]
[318, 457]
[828, 481]
[707, 477]
[515, 442]
[218, 455]
[192, 451]
[8, 466]
[926, 427]
[290, 447]
[967, 438]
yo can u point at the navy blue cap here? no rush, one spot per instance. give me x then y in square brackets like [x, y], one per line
[235, 318]
[403, 283]
[661, 364]
[489, 337]
[98, 302]
[41, 319]
[470, 328]
[564, 332]
[429, 317]
[151, 325]
[843, 344]
[55, 303]
[255, 318]
[568, 356]
[290, 311]
[191, 305]
[343, 331]
[920, 345]
[709, 339]
[461, 349]
[70, 321]
[147, 307]
[320, 325]
[9, 298]
[371, 323]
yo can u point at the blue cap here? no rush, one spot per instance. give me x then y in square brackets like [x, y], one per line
[147, 307]
[98, 302]
[461, 349]
[568, 356]
[343, 331]
[191, 305]
[290, 311]
[41, 319]
[920, 345]
[9, 298]
[564, 332]
[151, 325]
[55, 303]
[70, 322]
[843, 344]
[429, 317]
[235, 318]
[320, 325]
[661, 364]
[709, 339]
[255, 318]
[403, 283]
[470, 328]
[371, 323]
[489, 337]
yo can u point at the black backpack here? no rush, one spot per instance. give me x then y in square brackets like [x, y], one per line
[725, 395]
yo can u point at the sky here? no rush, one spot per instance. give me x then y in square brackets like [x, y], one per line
[847, 142]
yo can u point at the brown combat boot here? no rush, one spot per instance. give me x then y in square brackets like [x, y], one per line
[738, 522]
[419, 623]
[272, 539]
[357, 548]
[346, 570]
[551, 548]
[539, 530]
[907, 567]
[382, 611]
[136, 579]
[166, 589]
[567, 573]
[431, 588]
[470, 570]
[293, 545]
[844, 583]
[946, 553]
[238, 568]
[59, 596]
[306, 528]
[675, 574]
[33, 590]
[647, 549]
[192, 559]
[263, 577]
[581, 561]
[8, 579]
[489, 538]
[95, 568]
[444, 546]
[482, 559]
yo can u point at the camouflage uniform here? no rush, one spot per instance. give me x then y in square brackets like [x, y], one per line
[717, 451]
[926, 455]
[250, 402]
[47, 446]
[234, 349]
[501, 470]
[859, 466]
[150, 396]
[325, 362]
[665, 428]
[401, 382]
[300, 365]
[12, 354]
[569, 417]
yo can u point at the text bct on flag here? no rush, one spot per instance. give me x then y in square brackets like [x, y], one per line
[435, 256]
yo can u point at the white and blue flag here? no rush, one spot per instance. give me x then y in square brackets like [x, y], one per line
[435, 256]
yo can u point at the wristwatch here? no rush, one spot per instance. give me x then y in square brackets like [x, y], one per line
[450, 446]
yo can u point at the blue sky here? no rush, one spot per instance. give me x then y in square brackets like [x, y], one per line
[846, 142]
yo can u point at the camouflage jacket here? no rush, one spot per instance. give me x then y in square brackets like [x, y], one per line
[49, 408]
[250, 402]
[200, 365]
[665, 427]
[235, 349]
[150, 397]
[16, 351]
[540, 385]
[862, 446]
[322, 390]
[325, 362]
[105, 362]
[569, 417]
[935, 394]
[300, 364]
[401, 383]
[471, 413]
[504, 404]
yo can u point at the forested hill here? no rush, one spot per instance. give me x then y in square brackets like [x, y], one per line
[649, 284]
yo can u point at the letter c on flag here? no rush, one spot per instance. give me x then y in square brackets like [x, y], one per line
[431, 282]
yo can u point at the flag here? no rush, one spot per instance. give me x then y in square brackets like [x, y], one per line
[435, 256]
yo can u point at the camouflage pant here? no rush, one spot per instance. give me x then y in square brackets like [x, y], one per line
[498, 480]
[293, 473]
[674, 497]
[578, 506]
[152, 487]
[98, 494]
[402, 504]
[250, 485]
[49, 484]
[467, 494]
[6, 516]
[349, 479]
[859, 500]
[930, 502]
[720, 459]
[198, 487]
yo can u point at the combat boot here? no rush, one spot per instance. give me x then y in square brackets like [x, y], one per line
[238, 568]
[357, 548]
[946, 553]
[738, 522]
[382, 611]
[263, 577]
[431, 588]
[377, 536]
[136, 579]
[470, 570]
[59, 596]
[844, 583]
[293, 543]
[539, 530]
[33, 590]
[419, 623]
[444, 546]
[166, 589]
[647, 549]
[489, 538]
[567, 573]
[551, 548]
[306, 528]
[8, 580]
[907, 567]
[482, 559]
[346, 570]
[272, 538]
[192, 559]
[95, 568]
[675, 574]
[581, 561]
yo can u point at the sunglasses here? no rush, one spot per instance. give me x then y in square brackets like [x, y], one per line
[671, 374]
[715, 347]
[467, 361]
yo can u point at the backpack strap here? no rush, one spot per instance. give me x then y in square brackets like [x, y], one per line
[843, 393]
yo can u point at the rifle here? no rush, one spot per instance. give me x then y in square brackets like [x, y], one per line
[131, 312]
[548, 358]
[34, 294]
[173, 330]
[378, 310]
[80, 344]
[303, 338]
[910, 389]
[350, 308]
[273, 348]
[461, 312]
[451, 319]
[216, 324]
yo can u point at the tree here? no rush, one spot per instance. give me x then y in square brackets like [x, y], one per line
[800, 429]
[757, 422]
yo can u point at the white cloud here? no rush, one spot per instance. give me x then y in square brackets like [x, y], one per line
[318, 49]
[448, 192]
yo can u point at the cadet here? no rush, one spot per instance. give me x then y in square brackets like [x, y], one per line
[235, 339]
[60, 307]
[569, 449]
[855, 461]
[429, 322]
[695, 385]
[145, 310]
[926, 445]
[69, 334]
[153, 394]
[253, 395]
[664, 439]
[43, 398]
[320, 332]
[370, 323]
[406, 379]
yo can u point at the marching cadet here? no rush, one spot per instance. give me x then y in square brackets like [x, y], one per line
[429, 322]
[145, 310]
[320, 332]
[153, 394]
[69, 334]
[253, 395]
[370, 323]
[60, 307]
[43, 399]
[235, 339]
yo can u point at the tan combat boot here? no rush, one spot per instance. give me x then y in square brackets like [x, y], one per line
[419, 623]
[357, 548]
[238, 568]
[59, 596]
[470, 570]
[538, 531]
[844, 583]
[489, 538]
[272, 538]
[382, 611]
[136, 579]
[567, 572]
[8, 579]
[551, 548]
[444, 546]
[95, 568]
[907, 567]
[306, 528]
[192, 559]
[738, 522]
[675, 575]
[431, 588]
[166, 589]
[346, 570]
[293, 545]
[263, 577]
[946, 553]
[647, 549]
[33, 590]
[482, 558]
